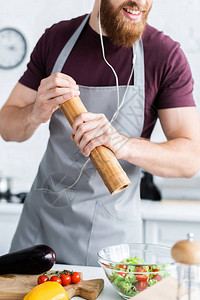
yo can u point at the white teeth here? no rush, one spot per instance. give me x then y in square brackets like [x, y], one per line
[133, 12]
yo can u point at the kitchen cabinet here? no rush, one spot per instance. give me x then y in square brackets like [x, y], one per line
[169, 232]
[164, 222]
[167, 222]
[9, 217]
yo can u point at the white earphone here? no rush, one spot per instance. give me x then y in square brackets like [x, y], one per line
[119, 106]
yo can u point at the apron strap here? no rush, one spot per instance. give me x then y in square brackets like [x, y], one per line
[139, 70]
[68, 48]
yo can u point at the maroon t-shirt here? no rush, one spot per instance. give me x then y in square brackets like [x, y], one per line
[168, 79]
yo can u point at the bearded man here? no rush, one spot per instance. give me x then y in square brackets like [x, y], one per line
[127, 74]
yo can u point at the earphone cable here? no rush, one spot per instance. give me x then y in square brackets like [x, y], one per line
[119, 106]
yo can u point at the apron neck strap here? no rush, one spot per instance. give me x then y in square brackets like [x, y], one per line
[63, 56]
[139, 70]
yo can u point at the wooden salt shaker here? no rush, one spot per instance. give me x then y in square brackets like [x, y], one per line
[103, 158]
[187, 254]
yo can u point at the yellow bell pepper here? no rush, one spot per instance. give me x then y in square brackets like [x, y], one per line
[47, 291]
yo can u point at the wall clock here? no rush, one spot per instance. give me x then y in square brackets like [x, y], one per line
[13, 48]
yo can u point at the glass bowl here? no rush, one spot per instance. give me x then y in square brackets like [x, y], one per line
[132, 268]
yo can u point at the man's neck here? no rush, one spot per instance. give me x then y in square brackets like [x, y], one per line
[94, 20]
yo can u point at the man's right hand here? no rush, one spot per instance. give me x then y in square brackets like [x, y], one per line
[26, 108]
[53, 91]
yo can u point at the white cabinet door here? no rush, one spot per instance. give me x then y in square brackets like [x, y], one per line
[9, 218]
[169, 232]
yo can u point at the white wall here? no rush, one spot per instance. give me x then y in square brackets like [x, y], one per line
[179, 19]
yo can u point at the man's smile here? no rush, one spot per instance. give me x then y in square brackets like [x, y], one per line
[132, 14]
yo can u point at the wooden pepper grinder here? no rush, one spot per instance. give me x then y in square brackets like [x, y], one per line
[103, 158]
[187, 254]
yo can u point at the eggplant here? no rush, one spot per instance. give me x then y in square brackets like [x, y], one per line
[32, 261]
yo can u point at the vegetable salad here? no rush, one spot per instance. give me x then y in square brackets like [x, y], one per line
[131, 280]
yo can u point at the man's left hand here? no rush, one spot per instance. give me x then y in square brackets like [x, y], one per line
[90, 130]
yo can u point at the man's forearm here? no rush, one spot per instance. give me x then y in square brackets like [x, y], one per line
[16, 123]
[175, 158]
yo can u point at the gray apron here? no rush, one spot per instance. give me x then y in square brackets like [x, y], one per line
[79, 221]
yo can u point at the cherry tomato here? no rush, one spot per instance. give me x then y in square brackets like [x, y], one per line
[140, 269]
[141, 286]
[106, 265]
[155, 270]
[123, 267]
[56, 279]
[141, 277]
[42, 279]
[122, 274]
[157, 277]
[65, 278]
[76, 277]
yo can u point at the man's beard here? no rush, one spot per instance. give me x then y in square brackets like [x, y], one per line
[120, 30]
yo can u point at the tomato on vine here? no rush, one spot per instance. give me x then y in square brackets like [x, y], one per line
[56, 279]
[63, 277]
[66, 279]
[76, 277]
[42, 279]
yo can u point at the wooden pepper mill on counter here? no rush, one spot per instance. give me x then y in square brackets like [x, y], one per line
[103, 158]
[187, 254]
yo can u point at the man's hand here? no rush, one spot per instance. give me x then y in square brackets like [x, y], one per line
[26, 108]
[53, 91]
[90, 130]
